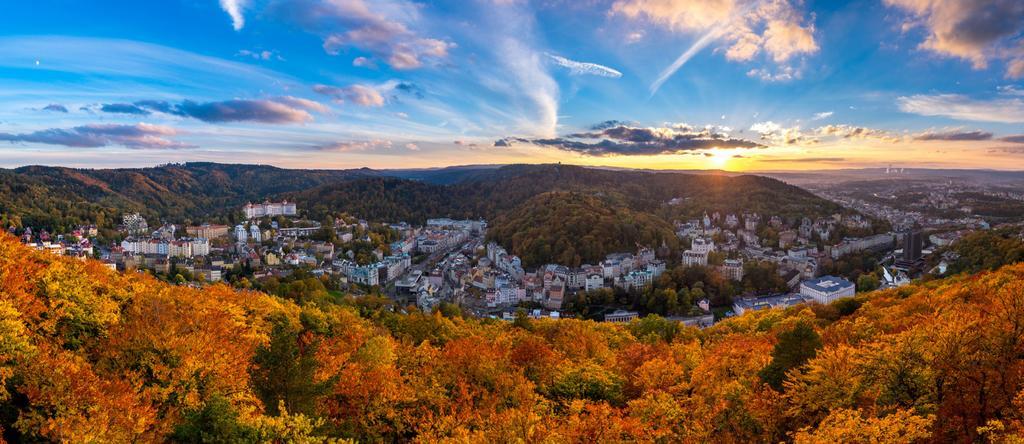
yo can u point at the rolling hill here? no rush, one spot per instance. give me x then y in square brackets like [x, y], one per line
[573, 228]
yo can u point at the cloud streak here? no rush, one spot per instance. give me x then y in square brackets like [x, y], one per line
[961, 107]
[278, 110]
[138, 136]
[585, 68]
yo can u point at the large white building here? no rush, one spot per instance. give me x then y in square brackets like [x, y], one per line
[268, 208]
[827, 289]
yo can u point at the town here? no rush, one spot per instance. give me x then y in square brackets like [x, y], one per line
[449, 261]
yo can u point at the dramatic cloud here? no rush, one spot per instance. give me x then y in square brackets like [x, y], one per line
[381, 28]
[977, 31]
[628, 140]
[57, 108]
[746, 27]
[775, 134]
[1013, 139]
[361, 95]
[957, 106]
[140, 136]
[585, 68]
[285, 109]
[235, 8]
[953, 135]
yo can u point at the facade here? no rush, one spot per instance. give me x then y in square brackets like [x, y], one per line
[207, 231]
[621, 316]
[732, 269]
[743, 305]
[240, 234]
[692, 258]
[827, 289]
[877, 242]
[271, 209]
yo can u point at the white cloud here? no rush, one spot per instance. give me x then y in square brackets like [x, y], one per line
[822, 115]
[361, 95]
[234, 8]
[748, 28]
[961, 107]
[581, 68]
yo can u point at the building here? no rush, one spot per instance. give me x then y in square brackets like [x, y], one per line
[743, 305]
[269, 209]
[134, 224]
[254, 233]
[240, 234]
[207, 231]
[878, 242]
[913, 243]
[732, 269]
[698, 252]
[621, 316]
[594, 282]
[692, 258]
[827, 289]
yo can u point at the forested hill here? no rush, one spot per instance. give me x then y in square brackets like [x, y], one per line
[58, 198]
[489, 193]
[571, 228]
[91, 355]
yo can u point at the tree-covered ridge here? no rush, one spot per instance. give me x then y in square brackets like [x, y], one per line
[573, 228]
[90, 355]
[58, 198]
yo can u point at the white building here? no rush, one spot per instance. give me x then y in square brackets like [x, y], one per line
[254, 233]
[692, 258]
[268, 208]
[827, 289]
[240, 234]
[732, 269]
[594, 282]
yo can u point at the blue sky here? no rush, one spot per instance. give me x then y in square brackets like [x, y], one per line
[756, 84]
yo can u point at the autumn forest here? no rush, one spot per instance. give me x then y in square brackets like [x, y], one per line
[91, 355]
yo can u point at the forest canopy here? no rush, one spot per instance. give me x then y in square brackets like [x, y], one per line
[91, 355]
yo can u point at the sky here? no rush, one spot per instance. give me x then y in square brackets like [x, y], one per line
[740, 85]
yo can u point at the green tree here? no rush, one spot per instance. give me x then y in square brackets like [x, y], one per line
[285, 370]
[794, 349]
[216, 422]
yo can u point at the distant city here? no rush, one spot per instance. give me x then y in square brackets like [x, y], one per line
[451, 261]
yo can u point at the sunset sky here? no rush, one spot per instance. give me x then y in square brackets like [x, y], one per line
[723, 84]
